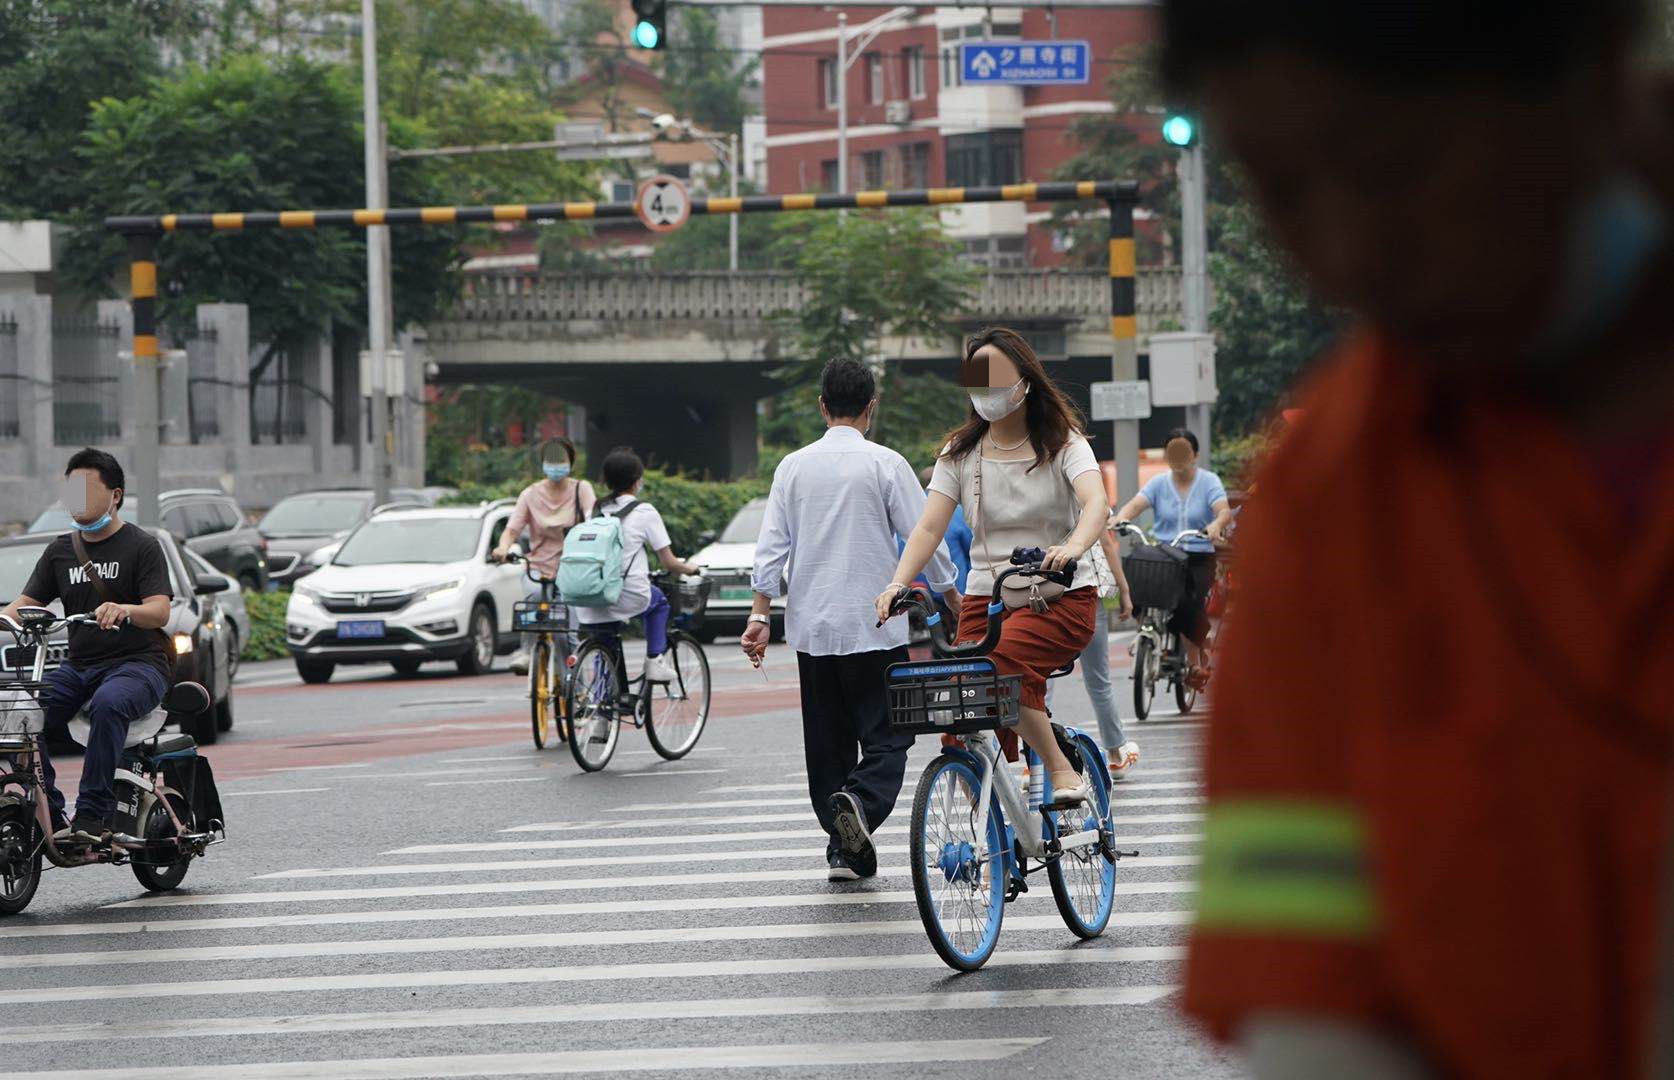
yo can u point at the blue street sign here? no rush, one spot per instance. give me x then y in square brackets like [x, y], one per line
[1024, 63]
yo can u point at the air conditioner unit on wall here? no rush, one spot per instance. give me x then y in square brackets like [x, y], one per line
[898, 112]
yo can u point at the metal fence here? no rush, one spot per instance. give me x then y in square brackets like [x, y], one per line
[276, 399]
[201, 384]
[11, 385]
[86, 381]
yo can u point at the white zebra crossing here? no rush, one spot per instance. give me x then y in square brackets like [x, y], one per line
[587, 842]
[754, 819]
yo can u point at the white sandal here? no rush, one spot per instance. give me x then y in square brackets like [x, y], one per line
[1125, 758]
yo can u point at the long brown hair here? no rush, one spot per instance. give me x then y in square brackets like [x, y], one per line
[1052, 418]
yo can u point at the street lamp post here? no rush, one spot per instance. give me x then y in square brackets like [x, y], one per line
[864, 36]
[378, 312]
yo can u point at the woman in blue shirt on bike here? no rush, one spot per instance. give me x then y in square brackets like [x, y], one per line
[1184, 499]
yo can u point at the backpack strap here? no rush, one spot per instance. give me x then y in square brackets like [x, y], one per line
[104, 590]
[621, 514]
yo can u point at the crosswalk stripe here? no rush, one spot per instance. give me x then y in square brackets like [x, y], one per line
[570, 973]
[657, 858]
[576, 1013]
[502, 888]
[550, 1063]
[580, 842]
[721, 804]
[513, 911]
[752, 819]
[910, 785]
[559, 939]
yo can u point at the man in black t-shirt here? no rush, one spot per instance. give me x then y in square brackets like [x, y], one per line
[120, 668]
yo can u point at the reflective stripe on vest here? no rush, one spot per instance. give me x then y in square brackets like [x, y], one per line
[1285, 867]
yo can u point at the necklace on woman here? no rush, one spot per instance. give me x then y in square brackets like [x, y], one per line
[1005, 449]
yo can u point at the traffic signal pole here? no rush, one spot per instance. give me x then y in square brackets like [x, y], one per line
[1124, 343]
[1194, 258]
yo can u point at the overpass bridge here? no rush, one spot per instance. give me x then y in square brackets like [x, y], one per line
[675, 363]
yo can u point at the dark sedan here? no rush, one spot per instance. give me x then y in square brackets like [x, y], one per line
[300, 525]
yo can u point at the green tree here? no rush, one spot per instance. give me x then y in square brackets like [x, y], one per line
[701, 243]
[259, 134]
[704, 80]
[1268, 326]
[57, 57]
[590, 27]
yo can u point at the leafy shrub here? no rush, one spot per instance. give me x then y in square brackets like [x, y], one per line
[1235, 459]
[267, 625]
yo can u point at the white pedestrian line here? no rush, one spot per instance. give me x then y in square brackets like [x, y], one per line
[574, 973]
[564, 1062]
[320, 768]
[531, 756]
[911, 783]
[675, 772]
[581, 842]
[275, 791]
[775, 901]
[559, 939]
[805, 816]
[604, 1012]
[662, 858]
[479, 781]
[723, 804]
[652, 753]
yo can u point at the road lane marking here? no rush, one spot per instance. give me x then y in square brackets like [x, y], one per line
[575, 843]
[548, 885]
[805, 816]
[275, 791]
[548, 1063]
[675, 772]
[604, 1012]
[659, 858]
[721, 804]
[318, 768]
[572, 973]
[479, 781]
[910, 783]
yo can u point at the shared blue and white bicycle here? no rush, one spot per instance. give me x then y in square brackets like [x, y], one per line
[976, 835]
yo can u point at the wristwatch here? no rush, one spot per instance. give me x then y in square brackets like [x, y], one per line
[763, 619]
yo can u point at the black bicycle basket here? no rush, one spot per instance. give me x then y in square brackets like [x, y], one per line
[540, 616]
[951, 697]
[1157, 576]
[686, 595]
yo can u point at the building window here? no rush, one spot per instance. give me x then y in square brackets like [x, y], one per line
[915, 165]
[872, 170]
[874, 78]
[828, 82]
[828, 176]
[621, 191]
[985, 159]
[914, 57]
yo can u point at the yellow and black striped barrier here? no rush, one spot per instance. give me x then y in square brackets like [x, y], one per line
[143, 231]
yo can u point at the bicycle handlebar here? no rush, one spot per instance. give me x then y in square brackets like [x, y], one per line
[1026, 563]
[44, 627]
[1128, 528]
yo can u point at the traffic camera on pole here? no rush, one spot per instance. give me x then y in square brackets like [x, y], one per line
[651, 30]
[1180, 129]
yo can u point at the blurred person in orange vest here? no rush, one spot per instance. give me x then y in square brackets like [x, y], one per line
[1438, 764]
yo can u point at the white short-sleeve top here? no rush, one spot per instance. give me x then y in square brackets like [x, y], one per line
[1021, 506]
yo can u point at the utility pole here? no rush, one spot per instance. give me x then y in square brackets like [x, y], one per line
[732, 219]
[378, 307]
[1194, 245]
[842, 101]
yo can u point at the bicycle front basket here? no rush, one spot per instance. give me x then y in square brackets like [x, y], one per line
[540, 616]
[20, 709]
[1157, 577]
[951, 697]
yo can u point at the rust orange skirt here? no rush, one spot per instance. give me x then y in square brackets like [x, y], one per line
[1034, 645]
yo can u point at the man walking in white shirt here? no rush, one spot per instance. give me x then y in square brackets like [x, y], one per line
[833, 515]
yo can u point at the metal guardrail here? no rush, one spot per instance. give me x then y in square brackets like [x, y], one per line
[531, 296]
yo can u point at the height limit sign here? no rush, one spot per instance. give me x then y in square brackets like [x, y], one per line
[1121, 400]
[662, 204]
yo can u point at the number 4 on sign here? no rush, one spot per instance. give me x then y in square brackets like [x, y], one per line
[662, 204]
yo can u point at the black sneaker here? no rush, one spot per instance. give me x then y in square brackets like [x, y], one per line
[840, 868]
[854, 838]
[86, 828]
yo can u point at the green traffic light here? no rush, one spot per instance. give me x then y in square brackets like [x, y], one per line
[1179, 130]
[646, 35]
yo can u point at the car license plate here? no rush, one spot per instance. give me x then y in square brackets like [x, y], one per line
[736, 592]
[361, 628]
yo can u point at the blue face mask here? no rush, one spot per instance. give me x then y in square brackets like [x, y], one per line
[93, 528]
[556, 472]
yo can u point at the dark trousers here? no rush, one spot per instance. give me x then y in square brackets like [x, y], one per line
[116, 695]
[1190, 619]
[846, 736]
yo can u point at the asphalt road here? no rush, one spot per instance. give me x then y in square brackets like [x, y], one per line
[410, 889]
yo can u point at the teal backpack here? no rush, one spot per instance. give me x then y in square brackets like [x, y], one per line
[593, 567]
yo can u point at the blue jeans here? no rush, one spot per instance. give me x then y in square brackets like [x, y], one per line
[656, 623]
[1095, 674]
[116, 696]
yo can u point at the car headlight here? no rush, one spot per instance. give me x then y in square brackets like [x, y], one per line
[440, 589]
[182, 644]
[302, 595]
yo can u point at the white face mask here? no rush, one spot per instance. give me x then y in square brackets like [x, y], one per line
[995, 402]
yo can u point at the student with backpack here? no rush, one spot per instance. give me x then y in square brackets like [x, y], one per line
[604, 571]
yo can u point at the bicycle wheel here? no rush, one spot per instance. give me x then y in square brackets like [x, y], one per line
[1185, 695]
[593, 711]
[1084, 878]
[959, 877]
[158, 829]
[540, 692]
[20, 855]
[1144, 677]
[676, 712]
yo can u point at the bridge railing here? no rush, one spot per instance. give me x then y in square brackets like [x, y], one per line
[531, 296]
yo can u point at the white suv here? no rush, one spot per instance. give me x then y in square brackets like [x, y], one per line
[405, 587]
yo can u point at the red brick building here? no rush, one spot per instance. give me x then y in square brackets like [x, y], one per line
[912, 124]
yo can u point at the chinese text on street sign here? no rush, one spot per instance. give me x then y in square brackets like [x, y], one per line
[1025, 63]
[1121, 400]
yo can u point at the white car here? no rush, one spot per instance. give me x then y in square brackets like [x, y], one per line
[727, 562]
[408, 586]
